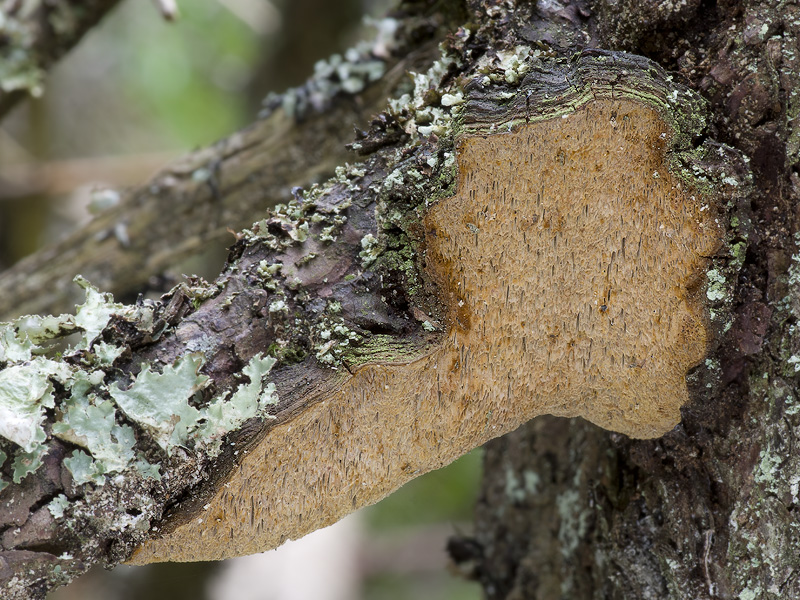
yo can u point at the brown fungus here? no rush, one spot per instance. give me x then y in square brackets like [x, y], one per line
[572, 267]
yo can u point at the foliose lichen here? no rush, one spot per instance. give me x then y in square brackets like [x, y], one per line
[98, 415]
[349, 73]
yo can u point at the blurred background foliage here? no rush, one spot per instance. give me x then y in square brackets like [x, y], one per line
[137, 92]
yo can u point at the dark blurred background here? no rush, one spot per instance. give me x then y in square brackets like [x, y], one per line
[138, 92]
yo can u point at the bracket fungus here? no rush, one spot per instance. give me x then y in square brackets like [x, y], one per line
[571, 263]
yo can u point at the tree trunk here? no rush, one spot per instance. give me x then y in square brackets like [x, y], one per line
[545, 223]
[708, 510]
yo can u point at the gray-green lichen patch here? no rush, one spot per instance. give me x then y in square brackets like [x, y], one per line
[761, 521]
[13, 348]
[292, 223]
[518, 491]
[370, 249]
[790, 307]
[226, 413]
[716, 289]
[91, 424]
[25, 391]
[98, 415]
[160, 401]
[27, 462]
[58, 505]
[432, 106]
[509, 66]
[93, 315]
[332, 338]
[27, 388]
[791, 302]
[348, 73]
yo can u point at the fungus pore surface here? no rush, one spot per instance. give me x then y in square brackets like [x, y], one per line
[572, 264]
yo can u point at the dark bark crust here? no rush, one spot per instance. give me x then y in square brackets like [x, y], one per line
[710, 509]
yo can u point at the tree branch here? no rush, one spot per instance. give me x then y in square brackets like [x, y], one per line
[35, 36]
[199, 199]
[531, 232]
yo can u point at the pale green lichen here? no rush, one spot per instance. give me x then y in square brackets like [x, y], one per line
[27, 462]
[511, 66]
[147, 470]
[350, 73]
[251, 399]
[278, 306]
[716, 285]
[332, 337]
[370, 249]
[103, 199]
[83, 468]
[748, 594]
[25, 391]
[21, 339]
[12, 347]
[517, 490]
[393, 179]
[739, 251]
[160, 401]
[453, 99]
[299, 233]
[93, 315]
[26, 381]
[573, 521]
[417, 113]
[58, 505]
[267, 272]
[107, 353]
[90, 423]
[19, 69]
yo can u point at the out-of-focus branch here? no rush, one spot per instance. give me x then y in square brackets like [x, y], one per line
[58, 177]
[37, 34]
[197, 200]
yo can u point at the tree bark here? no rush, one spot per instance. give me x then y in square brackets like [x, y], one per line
[708, 510]
[350, 327]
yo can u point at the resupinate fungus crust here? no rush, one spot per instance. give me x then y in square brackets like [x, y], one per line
[571, 262]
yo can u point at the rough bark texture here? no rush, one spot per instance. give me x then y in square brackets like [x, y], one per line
[568, 510]
[709, 510]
